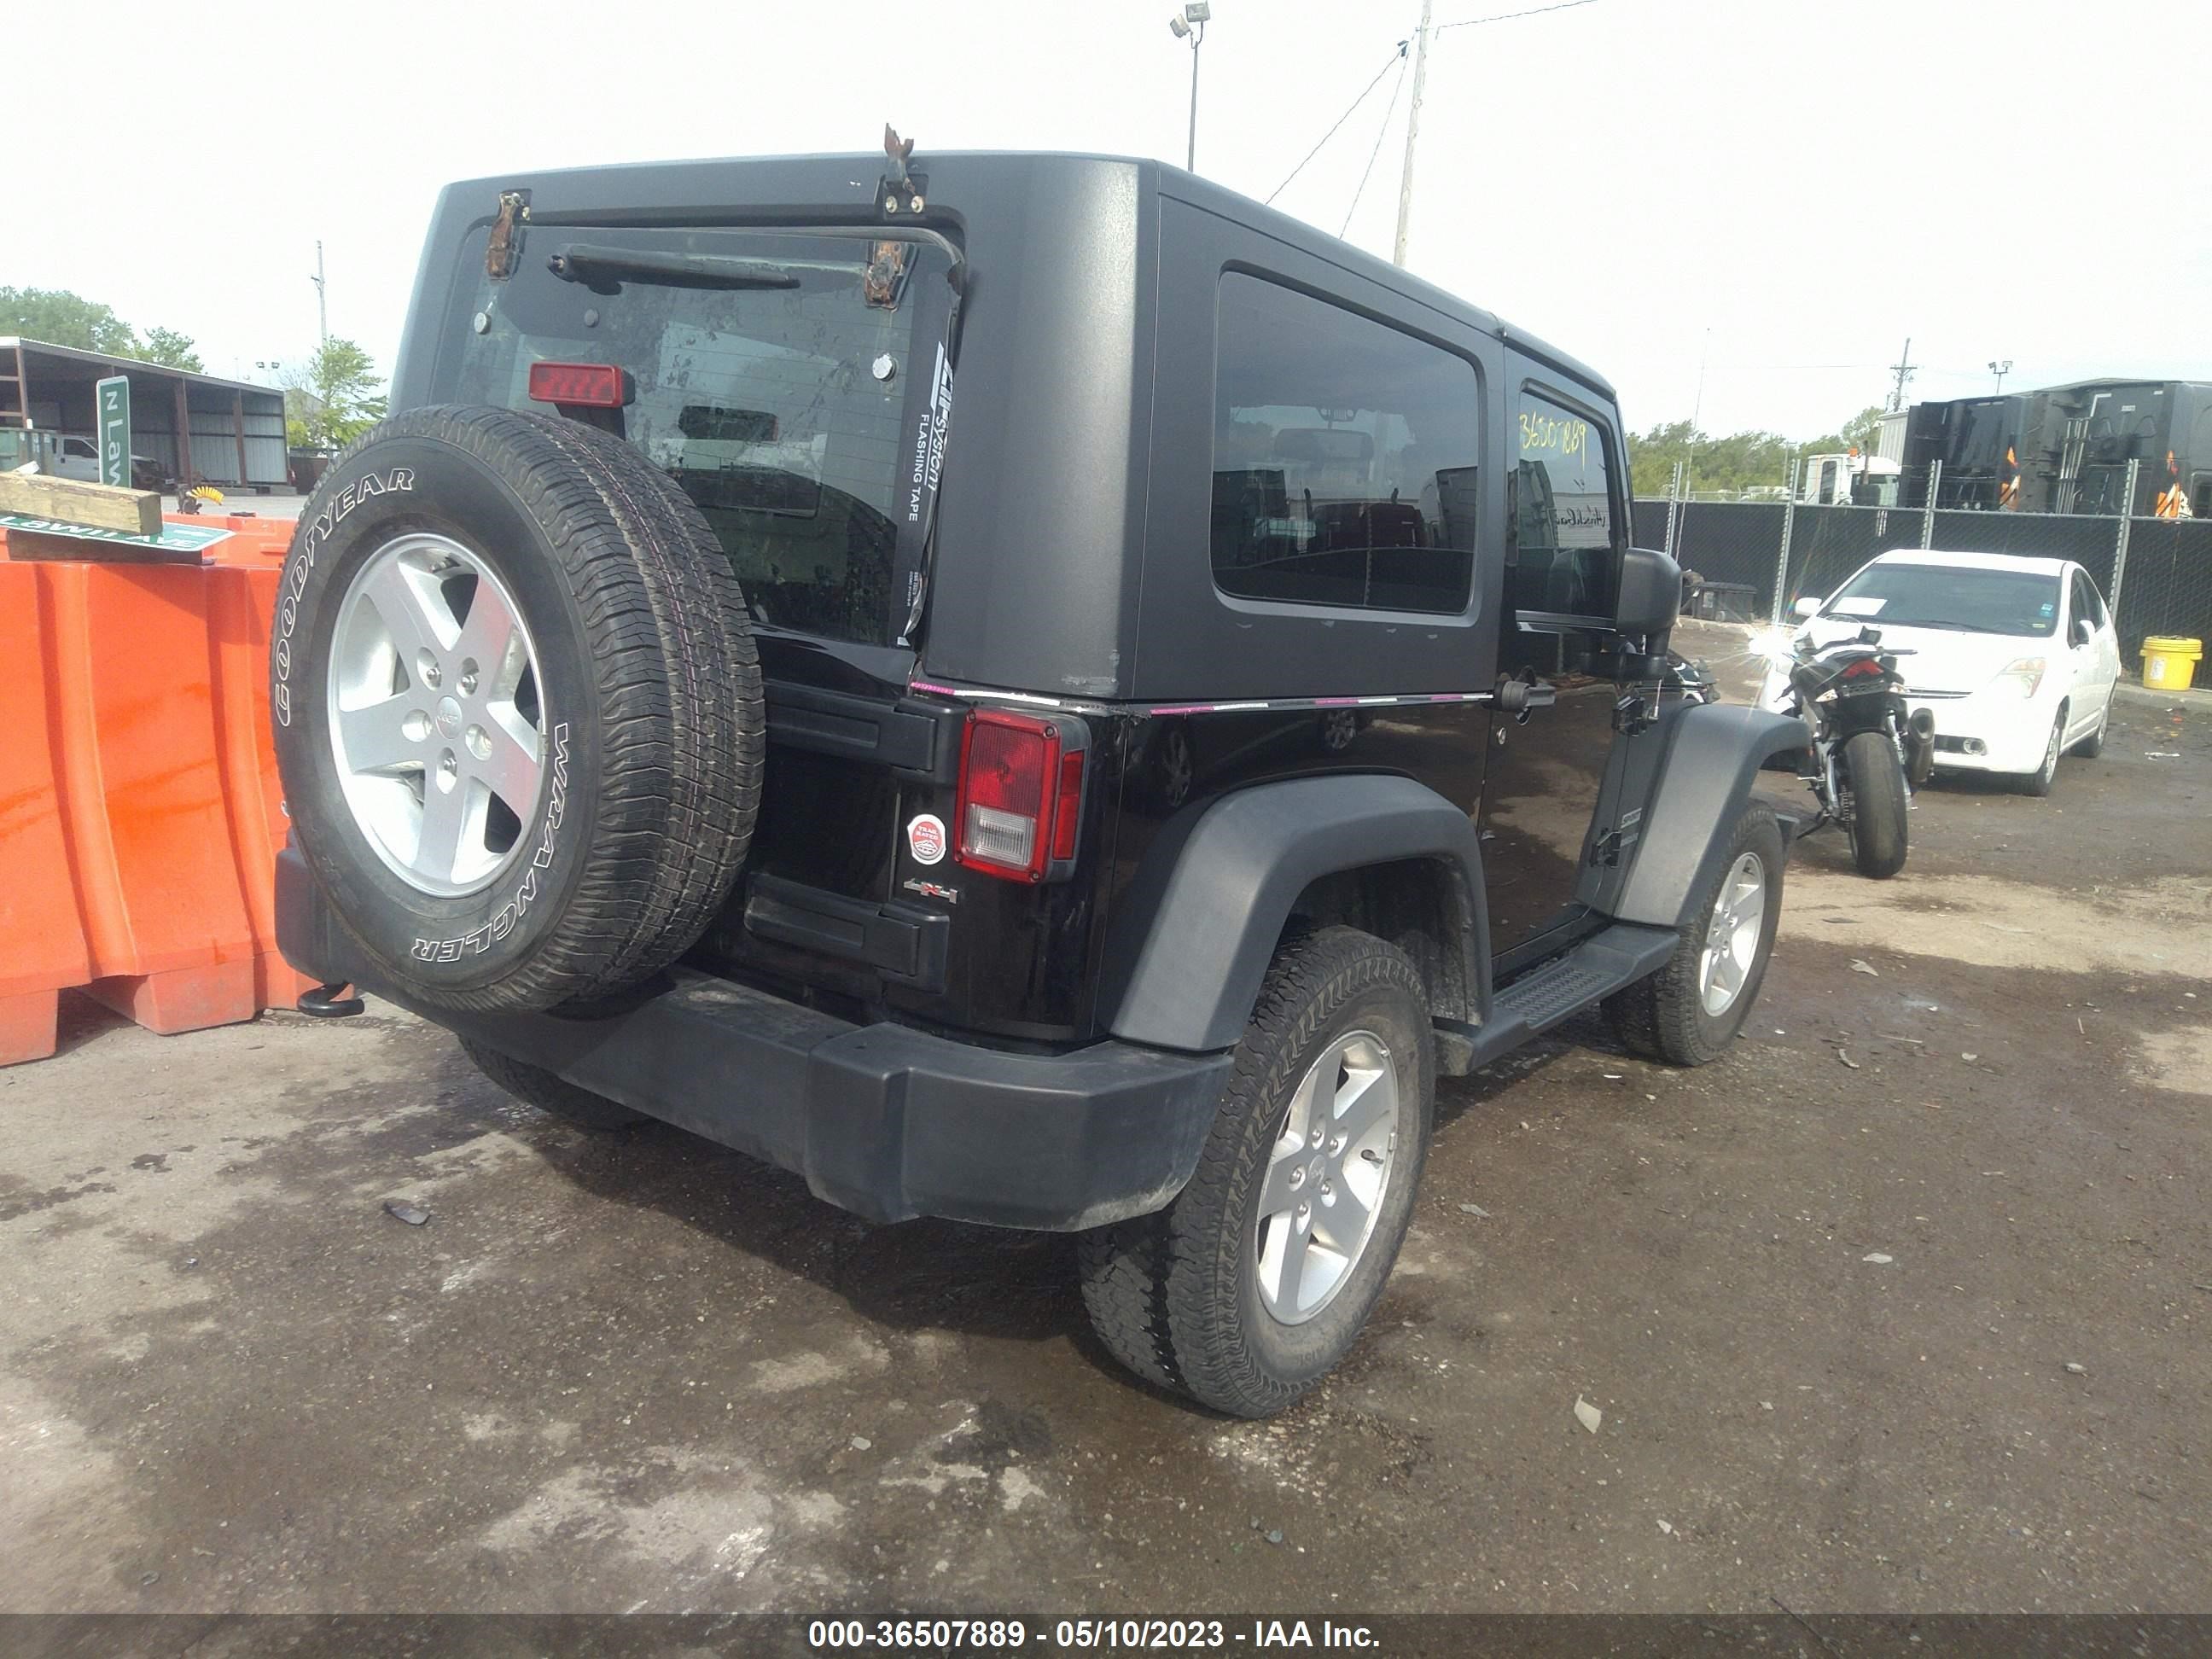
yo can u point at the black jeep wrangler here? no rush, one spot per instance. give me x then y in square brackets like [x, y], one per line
[1025, 689]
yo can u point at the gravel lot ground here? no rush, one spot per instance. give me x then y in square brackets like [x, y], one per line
[1904, 1306]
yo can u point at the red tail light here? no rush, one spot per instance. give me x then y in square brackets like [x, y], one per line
[586, 386]
[1860, 669]
[1021, 793]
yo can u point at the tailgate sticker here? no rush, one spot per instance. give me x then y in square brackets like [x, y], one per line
[925, 838]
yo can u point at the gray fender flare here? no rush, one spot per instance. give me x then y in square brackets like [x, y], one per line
[1713, 754]
[1194, 934]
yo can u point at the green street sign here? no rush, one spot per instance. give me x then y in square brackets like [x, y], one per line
[111, 397]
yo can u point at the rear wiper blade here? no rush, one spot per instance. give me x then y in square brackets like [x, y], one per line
[604, 269]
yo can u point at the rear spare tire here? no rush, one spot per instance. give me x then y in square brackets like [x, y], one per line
[517, 708]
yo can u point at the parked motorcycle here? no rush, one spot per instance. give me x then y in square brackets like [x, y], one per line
[1867, 753]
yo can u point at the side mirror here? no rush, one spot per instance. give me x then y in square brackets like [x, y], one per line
[1649, 597]
[1807, 608]
[2084, 630]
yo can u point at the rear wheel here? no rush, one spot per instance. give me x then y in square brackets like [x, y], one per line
[1689, 1012]
[534, 1085]
[1878, 804]
[1246, 1291]
[2093, 745]
[2039, 781]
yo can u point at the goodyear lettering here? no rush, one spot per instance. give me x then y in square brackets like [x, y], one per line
[309, 543]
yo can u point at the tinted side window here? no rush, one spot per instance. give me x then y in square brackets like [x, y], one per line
[1344, 456]
[1562, 517]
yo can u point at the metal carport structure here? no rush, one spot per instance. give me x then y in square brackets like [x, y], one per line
[232, 430]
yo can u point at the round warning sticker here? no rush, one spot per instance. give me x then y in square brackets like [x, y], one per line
[925, 836]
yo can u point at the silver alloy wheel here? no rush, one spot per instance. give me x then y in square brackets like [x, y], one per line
[2050, 767]
[1732, 935]
[435, 718]
[1327, 1174]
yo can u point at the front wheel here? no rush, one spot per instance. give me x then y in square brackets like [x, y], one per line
[1246, 1291]
[1877, 783]
[1689, 1012]
[2039, 781]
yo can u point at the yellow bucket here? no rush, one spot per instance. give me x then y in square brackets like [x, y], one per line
[2171, 664]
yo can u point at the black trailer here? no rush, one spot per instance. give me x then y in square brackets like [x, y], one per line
[2065, 449]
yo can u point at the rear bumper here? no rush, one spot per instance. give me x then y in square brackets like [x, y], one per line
[882, 1119]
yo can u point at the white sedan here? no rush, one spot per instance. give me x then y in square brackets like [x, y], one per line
[2015, 658]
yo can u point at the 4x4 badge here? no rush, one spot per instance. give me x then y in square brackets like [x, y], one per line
[925, 838]
[932, 890]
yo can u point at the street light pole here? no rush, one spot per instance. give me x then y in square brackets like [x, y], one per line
[1190, 25]
[2000, 369]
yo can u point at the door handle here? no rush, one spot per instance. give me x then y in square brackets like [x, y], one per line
[1522, 697]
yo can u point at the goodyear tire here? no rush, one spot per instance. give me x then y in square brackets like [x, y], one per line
[517, 709]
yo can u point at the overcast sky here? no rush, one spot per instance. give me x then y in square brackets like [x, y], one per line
[1784, 191]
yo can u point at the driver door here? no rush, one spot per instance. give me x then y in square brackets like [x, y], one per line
[1566, 526]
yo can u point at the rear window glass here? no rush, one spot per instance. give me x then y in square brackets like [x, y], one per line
[1345, 457]
[1955, 597]
[793, 386]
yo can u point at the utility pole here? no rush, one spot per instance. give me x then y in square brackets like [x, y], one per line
[322, 300]
[1902, 369]
[1412, 132]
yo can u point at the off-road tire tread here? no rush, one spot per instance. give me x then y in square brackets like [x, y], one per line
[1161, 1289]
[534, 1085]
[717, 724]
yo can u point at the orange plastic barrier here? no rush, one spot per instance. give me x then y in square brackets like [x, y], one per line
[140, 809]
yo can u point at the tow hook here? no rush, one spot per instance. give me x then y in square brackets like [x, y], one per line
[332, 1001]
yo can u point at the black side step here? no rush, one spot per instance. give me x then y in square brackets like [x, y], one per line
[1545, 996]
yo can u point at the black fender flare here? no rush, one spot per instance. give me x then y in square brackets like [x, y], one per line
[1194, 932]
[1713, 754]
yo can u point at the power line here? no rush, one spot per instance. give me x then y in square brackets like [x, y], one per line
[1389, 109]
[1507, 16]
[1397, 57]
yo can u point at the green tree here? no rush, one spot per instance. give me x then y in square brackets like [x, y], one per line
[333, 398]
[1741, 461]
[1862, 432]
[171, 349]
[60, 317]
[1737, 462]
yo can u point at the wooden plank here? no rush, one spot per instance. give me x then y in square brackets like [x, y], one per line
[138, 512]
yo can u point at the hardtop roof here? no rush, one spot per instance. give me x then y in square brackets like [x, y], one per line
[792, 186]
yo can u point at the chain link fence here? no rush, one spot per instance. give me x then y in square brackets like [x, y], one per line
[1763, 556]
